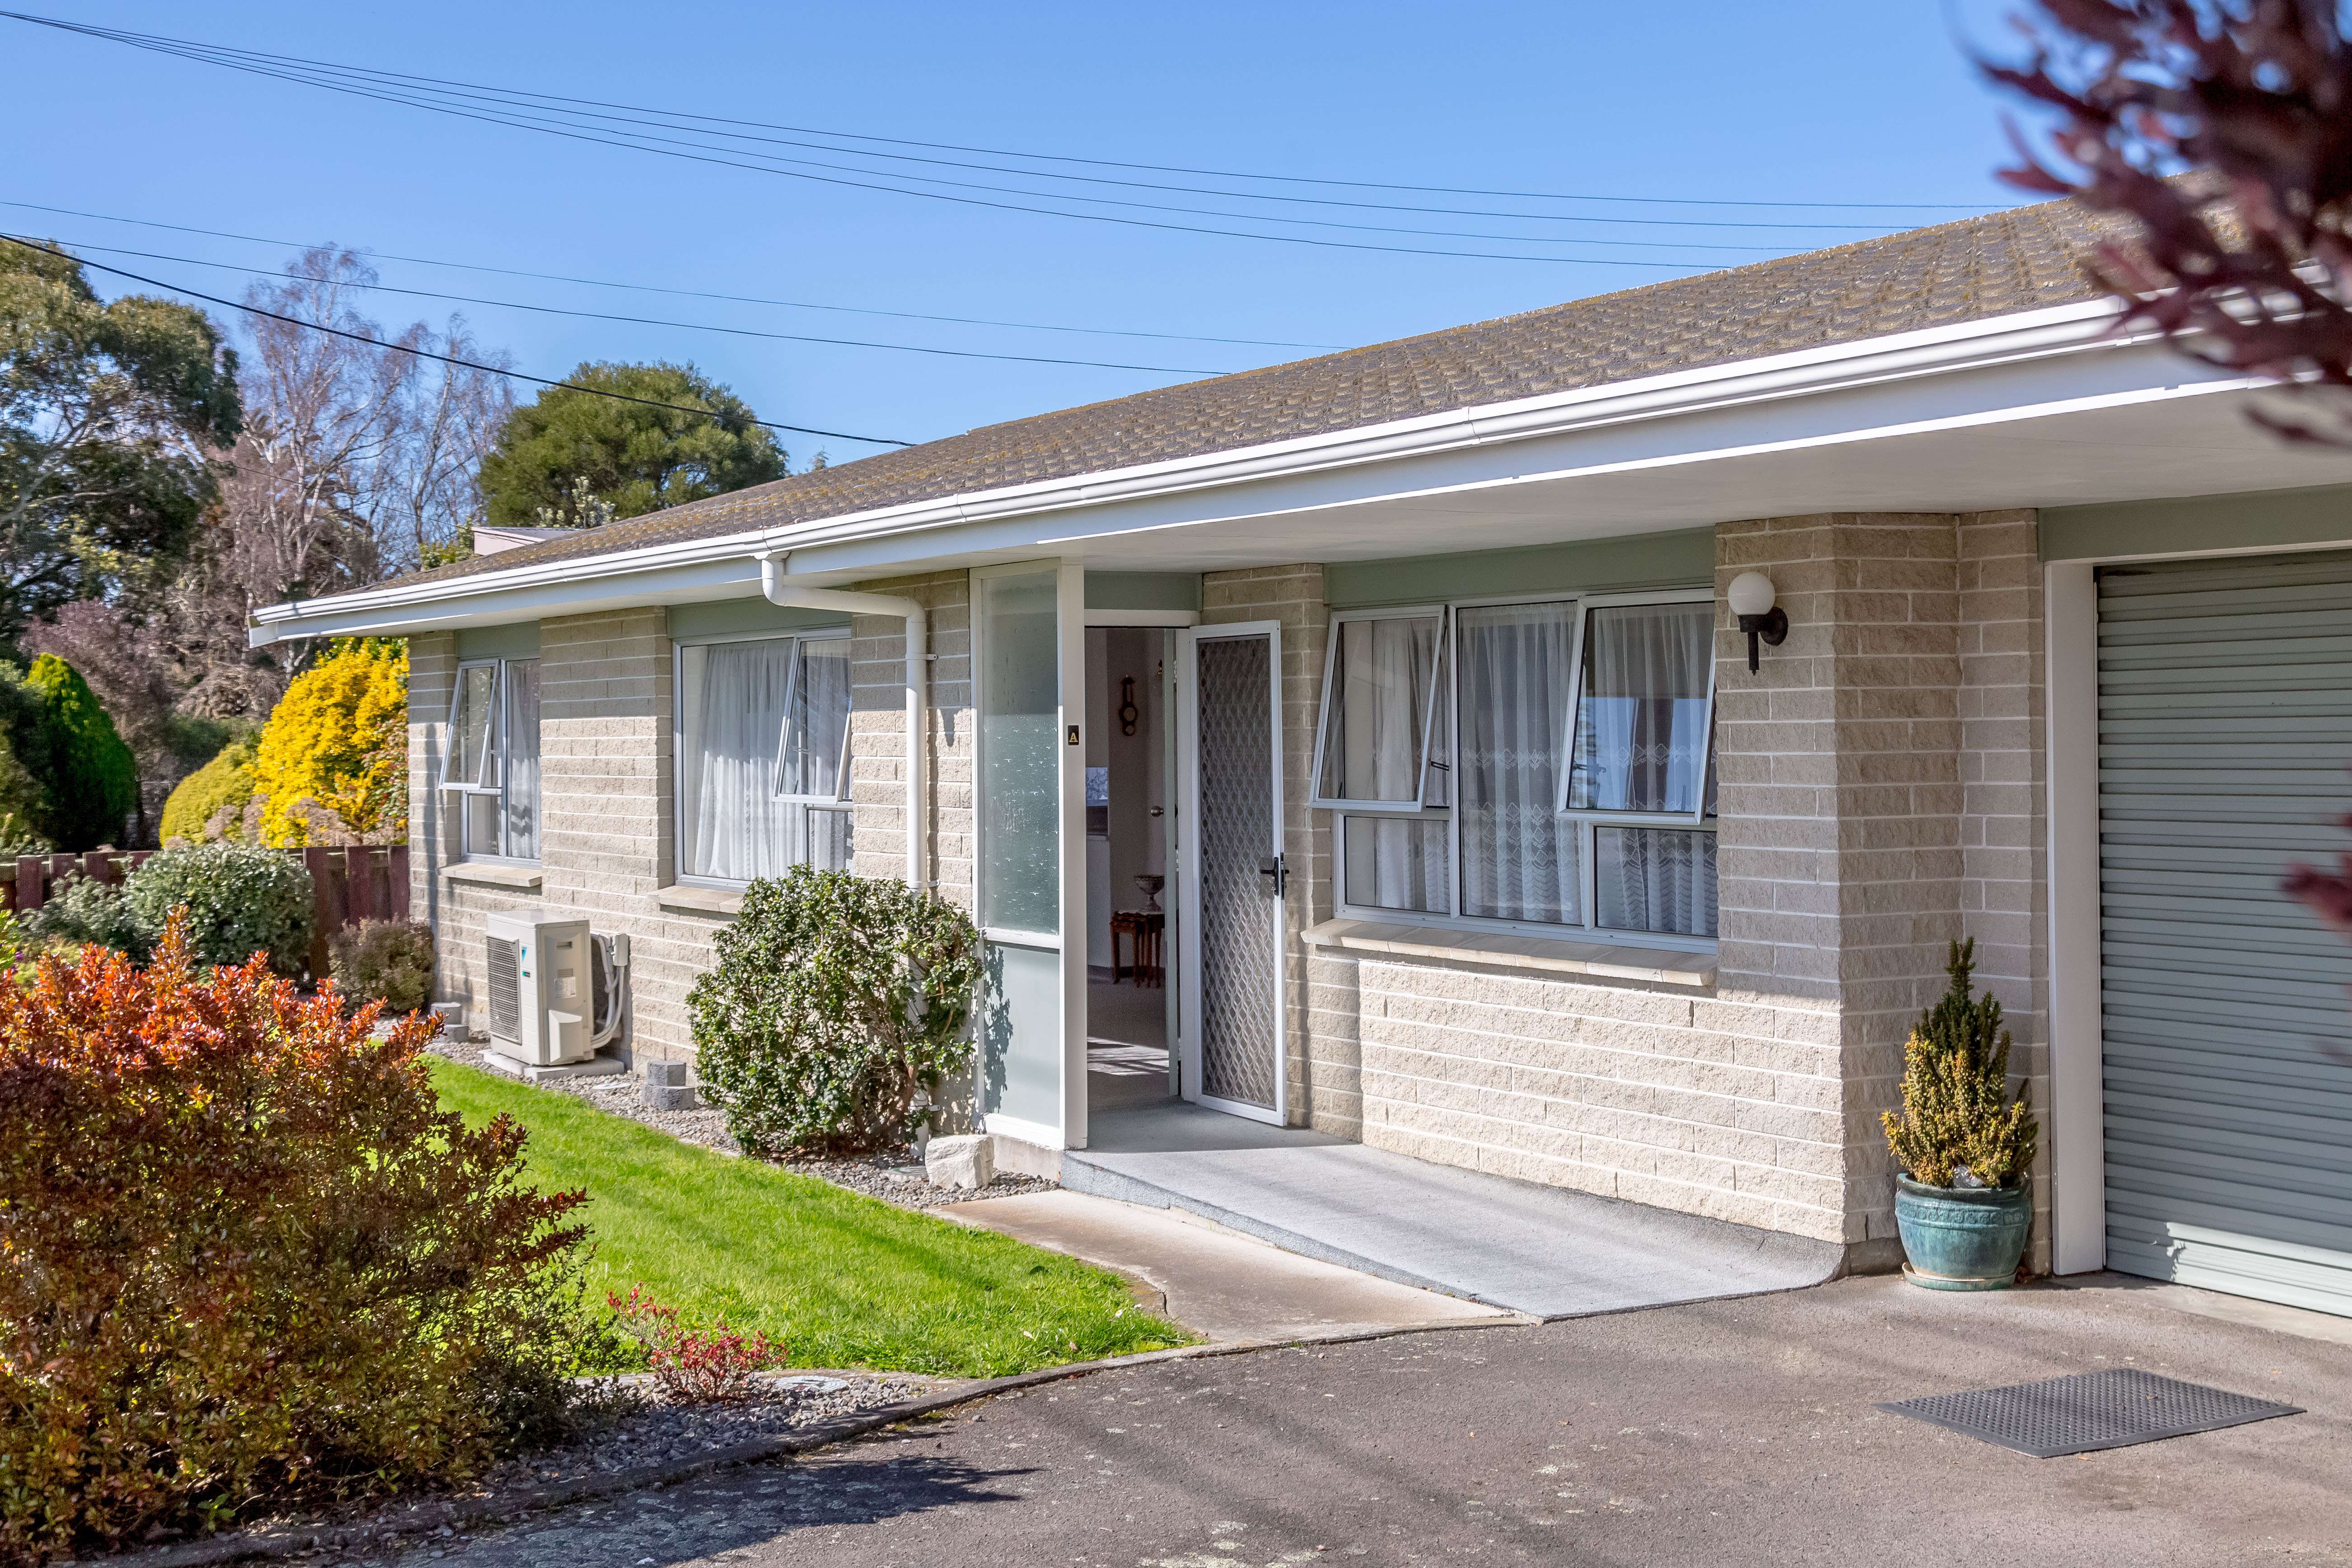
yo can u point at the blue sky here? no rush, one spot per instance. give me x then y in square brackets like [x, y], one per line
[1800, 100]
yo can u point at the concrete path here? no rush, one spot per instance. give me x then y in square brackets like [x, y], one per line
[1221, 1284]
[1717, 1435]
[1538, 1251]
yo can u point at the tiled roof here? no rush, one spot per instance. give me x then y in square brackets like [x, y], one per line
[1976, 268]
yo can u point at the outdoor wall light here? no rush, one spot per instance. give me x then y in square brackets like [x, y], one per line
[1751, 594]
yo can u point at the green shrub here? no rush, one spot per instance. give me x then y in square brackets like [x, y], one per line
[79, 910]
[223, 783]
[389, 962]
[252, 1263]
[89, 781]
[835, 1002]
[241, 899]
[1957, 1112]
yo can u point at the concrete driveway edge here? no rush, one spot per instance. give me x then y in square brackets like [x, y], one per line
[426, 1518]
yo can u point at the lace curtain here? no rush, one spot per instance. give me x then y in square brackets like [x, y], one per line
[736, 827]
[1641, 745]
[1518, 854]
[521, 827]
[1374, 750]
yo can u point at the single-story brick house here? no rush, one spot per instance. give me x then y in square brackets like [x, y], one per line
[1411, 670]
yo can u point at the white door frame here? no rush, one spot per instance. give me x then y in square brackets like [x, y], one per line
[2077, 1132]
[1187, 836]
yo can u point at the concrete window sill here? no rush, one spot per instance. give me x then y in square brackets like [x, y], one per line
[1607, 960]
[702, 900]
[490, 874]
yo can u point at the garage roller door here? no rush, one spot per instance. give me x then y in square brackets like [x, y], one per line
[2225, 729]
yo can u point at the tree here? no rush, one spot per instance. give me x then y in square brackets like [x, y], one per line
[357, 462]
[2223, 128]
[85, 770]
[637, 457]
[339, 740]
[109, 413]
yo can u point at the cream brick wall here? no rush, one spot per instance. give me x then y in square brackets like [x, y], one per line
[1881, 795]
[878, 728]
[607, 778]
[1881, 799]
[1881, 778]
[2004, 781]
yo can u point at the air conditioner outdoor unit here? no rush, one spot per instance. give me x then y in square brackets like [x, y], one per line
[543, 996]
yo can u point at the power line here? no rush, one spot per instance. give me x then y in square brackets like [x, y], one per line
[642, 321]
[338, 77]
[120, 36]
[515, 117]
[635, 142]
[446, 359]
[680, 293]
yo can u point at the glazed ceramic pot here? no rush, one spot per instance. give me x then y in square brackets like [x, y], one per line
[1962, 1239]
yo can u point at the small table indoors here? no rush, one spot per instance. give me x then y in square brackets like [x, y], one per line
[1145, 929]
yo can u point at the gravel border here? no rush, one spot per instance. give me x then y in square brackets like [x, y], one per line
[637, 1433]
[429, 1518]
[895, 1178]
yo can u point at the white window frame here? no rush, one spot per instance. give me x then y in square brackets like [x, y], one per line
[496, 744]
[1440, 669]
[838, 802]
[1585, 821]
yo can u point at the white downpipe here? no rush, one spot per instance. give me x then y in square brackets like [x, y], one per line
[779, 591]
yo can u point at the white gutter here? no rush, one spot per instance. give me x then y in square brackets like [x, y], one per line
[779, 591]
[2051, 332]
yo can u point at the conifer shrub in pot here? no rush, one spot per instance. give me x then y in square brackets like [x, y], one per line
[836, 1009]
[1963, 1142]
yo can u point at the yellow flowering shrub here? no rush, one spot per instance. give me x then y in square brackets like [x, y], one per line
[338, 738]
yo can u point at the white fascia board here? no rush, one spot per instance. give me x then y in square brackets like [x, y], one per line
[381, 614]
[2039, 334]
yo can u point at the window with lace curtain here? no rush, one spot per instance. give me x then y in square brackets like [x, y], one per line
[762, 752]
[491, 768]
[1543, 765]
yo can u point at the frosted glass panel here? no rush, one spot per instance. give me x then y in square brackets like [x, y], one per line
[1020, 752]
[1021, 1034]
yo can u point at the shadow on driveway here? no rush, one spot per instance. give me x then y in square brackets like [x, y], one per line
[868, 1485]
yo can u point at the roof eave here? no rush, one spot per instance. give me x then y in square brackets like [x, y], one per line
[681, 571]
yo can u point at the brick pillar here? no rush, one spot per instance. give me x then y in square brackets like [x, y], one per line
[1881, 776]
[2004, 871]
[878, 728]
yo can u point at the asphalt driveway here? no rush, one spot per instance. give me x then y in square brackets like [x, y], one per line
[1719, 1433]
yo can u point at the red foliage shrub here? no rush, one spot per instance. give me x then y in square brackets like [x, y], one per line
[246, 1259]
[691, 1365]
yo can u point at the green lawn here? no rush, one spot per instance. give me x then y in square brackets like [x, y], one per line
[844, 1279]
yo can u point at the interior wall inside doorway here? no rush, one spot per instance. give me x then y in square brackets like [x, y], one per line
[1132, 841]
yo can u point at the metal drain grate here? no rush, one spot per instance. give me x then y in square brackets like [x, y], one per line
[2090, 1410]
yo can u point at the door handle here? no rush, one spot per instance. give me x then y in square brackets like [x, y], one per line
[1273, 865]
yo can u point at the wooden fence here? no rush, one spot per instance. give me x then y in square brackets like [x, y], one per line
[364, 882]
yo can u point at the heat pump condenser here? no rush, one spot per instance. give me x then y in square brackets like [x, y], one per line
[541, 974]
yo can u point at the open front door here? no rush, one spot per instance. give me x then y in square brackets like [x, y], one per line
[1230, 921]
